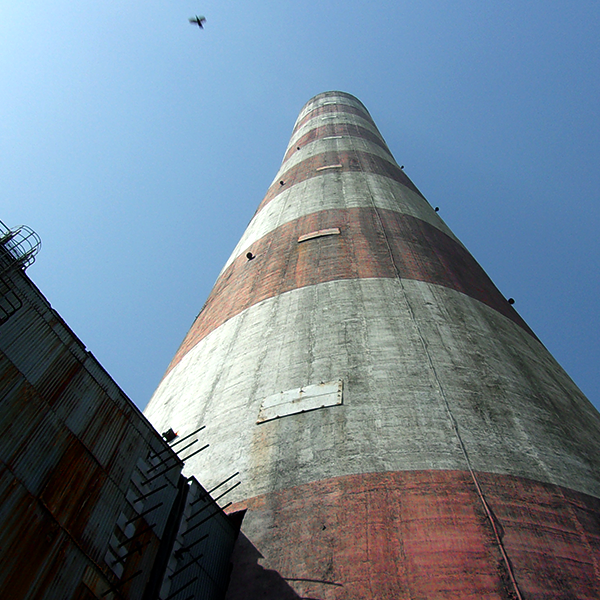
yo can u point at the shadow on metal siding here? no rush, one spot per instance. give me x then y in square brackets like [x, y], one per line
[86, 483]
[104, 430]
[30, 542]
[73, 487]
[201, 553]
[25, 332]
[75, 405]
[39, 439]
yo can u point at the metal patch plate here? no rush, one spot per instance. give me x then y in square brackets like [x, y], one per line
[319, 233]
[298, 400]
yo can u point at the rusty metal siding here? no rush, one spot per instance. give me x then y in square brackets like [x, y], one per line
[102, 514]
[27, 331]
[73, 487]
[20, 412]
[43, 558]
[128, 448]
[107, 384]
[104, 430]
[81, 470]
[9, 375]
[29, 540]
[39, 440]
[62, 573]
[75, 406]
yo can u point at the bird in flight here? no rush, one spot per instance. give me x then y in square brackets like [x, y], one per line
[198, 21]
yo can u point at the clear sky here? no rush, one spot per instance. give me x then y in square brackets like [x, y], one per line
[138, 147]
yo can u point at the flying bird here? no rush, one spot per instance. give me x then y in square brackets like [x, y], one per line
[198, 21]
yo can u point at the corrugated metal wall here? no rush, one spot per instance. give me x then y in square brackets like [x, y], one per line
[87, 486]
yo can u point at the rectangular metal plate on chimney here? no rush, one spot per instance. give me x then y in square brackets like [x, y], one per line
[299, 400]
[329, 167]
[320, 233]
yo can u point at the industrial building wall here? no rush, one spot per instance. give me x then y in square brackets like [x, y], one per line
[399, 429]
[90, 494]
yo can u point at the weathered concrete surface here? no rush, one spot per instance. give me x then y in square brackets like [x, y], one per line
[407, 247]
[326, 127]
[418, 534]
[445, 389]
[331, 103]
[337, 191]
[349, 160]
[325, 130]
[401, 348]
[345, 139]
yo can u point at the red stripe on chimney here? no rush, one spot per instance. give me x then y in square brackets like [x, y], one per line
[362, 250]
[349, 161]
[418, 534]
[328, 109]
[335, 129]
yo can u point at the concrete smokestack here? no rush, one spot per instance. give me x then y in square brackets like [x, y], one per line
[399, 430]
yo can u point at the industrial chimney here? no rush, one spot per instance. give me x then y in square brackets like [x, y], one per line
[399, 430]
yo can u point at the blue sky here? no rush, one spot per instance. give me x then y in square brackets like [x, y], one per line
[138, 147]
